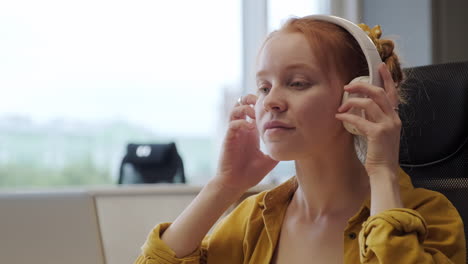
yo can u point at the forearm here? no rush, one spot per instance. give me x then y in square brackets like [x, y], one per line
[188, 230]
[385, 191]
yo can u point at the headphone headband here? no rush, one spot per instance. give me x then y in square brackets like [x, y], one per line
[367, 46]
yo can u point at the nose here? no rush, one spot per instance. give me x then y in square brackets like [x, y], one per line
[274, 101]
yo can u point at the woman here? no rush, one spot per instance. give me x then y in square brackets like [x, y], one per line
[337, 209]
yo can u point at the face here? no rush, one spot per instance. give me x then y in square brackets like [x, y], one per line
[297, 100]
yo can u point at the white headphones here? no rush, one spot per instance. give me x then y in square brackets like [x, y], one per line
[372, 57]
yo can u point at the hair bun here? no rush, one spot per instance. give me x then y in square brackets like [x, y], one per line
[386, 50]
[393, 63]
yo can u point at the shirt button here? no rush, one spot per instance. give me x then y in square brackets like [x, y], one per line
[352, 235]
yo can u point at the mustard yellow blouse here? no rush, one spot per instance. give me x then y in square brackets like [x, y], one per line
[428, 230]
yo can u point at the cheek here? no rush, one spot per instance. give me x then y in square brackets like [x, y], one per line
[259, 113]
[258, 110]
[317, 114]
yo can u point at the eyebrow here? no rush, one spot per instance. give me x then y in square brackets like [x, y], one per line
[292, 67]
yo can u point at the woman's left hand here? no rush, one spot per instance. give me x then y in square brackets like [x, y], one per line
[383, 125]
[382, 129]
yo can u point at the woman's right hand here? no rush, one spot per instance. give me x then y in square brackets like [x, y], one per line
[242, 164]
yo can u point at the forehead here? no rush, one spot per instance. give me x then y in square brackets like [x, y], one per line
[284, 49]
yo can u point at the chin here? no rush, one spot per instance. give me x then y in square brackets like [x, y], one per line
[280, 153]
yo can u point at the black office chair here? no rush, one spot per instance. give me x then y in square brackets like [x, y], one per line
[151, 163]
[434, 148]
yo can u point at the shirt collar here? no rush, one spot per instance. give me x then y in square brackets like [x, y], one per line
[283, 193]
[280, 194]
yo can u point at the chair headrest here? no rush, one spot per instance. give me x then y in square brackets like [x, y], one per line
[435, 121]
[150, 153]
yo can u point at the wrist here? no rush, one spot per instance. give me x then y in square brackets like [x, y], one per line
[224, 190]
[385, 175]
[385, 192]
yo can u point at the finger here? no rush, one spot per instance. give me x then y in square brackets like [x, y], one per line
[240, 124]
[373, 111]
[248, 99]
[236, 127]
[377, 94]
[240, 112]
[389, 85]
[363, 125]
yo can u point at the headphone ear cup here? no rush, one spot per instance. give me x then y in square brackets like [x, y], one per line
[358, 112]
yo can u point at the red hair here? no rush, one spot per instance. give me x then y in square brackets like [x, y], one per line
[338, 52]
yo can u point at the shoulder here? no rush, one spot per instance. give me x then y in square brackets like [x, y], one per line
[445, 228]
[430, 204]
[444, 223]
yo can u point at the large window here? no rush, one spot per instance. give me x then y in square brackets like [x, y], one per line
[81, 79]
[279, 11]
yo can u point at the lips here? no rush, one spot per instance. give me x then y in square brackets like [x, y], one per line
[276, 124]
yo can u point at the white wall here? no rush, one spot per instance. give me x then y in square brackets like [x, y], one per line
[406, 22]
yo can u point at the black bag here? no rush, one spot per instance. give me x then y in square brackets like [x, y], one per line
[151, 163]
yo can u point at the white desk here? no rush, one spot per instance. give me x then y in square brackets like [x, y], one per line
[93, 225]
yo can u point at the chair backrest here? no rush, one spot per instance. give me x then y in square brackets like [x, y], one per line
[434, 140]
[151, 163]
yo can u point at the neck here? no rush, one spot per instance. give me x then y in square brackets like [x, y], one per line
[331, 185]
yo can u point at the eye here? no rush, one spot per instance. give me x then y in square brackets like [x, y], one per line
[263, 89]
[299, 84]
